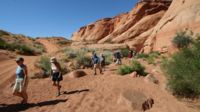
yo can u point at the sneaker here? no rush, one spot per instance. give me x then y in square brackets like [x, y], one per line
[24, 101]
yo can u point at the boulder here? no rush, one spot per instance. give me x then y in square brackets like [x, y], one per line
[77, 74]
[133, 75]
[135, 101]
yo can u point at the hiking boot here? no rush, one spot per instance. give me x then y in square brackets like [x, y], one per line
[23, 101]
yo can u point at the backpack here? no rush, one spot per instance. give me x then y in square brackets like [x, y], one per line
[118, 55]
[95, 59]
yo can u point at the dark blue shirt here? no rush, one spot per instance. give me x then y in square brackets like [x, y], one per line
[20, 71]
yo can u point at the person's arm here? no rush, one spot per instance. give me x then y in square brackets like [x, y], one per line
[25, 70]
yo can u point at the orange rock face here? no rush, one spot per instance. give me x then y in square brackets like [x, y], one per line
[182, 14]
[149, 26]
[124, 27]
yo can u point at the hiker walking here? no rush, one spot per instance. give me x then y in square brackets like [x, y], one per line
[102, 61]
[130, 54]
[21, 81]
[117, 57]
[96, 63]
[56, 74]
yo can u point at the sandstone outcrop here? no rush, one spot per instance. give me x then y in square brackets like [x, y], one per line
[124, 27]
[149, 26]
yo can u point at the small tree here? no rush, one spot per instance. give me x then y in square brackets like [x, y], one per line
[182, 40]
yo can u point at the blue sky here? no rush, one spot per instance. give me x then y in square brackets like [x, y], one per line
[56, 17]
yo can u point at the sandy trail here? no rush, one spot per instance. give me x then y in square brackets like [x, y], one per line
[50, 47]
[90, 94]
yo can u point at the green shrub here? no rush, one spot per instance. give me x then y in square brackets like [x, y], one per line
[38, 48]
[183, 71]
[125, 52]
[45, 64]
[70, 53]
[3, 44]
[142, 55]
[182, 40]
[62, 42]
[150, 58]
[83, 60]
[136, 66]
[23, 49]
[125, 69]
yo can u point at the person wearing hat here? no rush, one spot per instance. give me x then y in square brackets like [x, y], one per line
[21, 80]
[56, 74]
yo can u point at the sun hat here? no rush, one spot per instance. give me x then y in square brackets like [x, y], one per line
[53, 59]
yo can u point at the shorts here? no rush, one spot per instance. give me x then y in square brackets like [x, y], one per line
[97, 66]
[56, 77]
[19, 87]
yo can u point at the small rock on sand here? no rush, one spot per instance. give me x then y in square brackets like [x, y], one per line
[77, 74]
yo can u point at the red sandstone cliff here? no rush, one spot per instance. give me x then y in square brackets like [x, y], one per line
[123, 27]
[149, 26]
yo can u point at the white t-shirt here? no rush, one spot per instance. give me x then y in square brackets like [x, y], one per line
[54, 68]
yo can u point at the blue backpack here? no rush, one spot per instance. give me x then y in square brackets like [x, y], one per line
[95, 59]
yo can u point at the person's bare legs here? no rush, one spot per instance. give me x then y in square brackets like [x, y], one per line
[22, 95]
[95, 69]
[100, 69]
[54, 83]
[58, 88]
[25, 97]
[17, 94]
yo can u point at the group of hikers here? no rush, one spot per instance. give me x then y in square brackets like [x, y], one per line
[21, 73]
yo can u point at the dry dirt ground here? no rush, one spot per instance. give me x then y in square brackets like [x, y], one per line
[100, 93]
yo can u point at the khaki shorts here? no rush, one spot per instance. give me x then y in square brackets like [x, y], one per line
[19, 87]
[97, 65]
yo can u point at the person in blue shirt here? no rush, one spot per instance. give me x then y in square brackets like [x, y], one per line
[96, 63]
[21, 80]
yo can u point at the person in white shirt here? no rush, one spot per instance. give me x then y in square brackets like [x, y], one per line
[56, 74]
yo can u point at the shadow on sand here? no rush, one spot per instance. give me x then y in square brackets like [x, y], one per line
[23, 107]
[75, 91]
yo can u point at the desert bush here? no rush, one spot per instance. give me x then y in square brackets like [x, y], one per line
[183, 71]
[134, 66]
[83, 60]
[23, 49]
[150, 58]
[182, 40]
[3, 44]
[142, 55]
[125, 52]
[38, 48]
[70, 53]
[62, 42]
[45, 64]
[125, 69]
